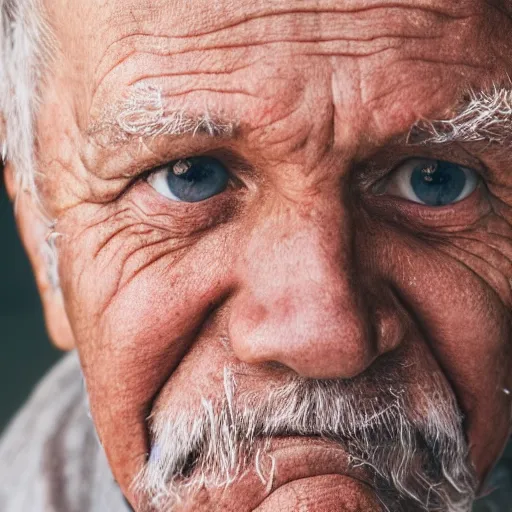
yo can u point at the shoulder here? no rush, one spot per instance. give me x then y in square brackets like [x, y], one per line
[50, 459]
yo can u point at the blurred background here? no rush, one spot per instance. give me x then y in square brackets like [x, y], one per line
[26, 353]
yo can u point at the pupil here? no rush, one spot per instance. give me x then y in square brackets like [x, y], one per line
[439, 184]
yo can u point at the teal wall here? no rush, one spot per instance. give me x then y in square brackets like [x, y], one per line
[25, 351]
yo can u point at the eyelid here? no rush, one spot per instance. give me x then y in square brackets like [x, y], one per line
[398, 183]
[144, 174]
[382, 175]
[465, 158]
[381, 164]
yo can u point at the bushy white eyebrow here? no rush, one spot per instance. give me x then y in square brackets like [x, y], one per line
[144, 114]
[485, 116]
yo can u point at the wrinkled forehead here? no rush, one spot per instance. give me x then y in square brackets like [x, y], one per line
[201, 46]
[96, 24]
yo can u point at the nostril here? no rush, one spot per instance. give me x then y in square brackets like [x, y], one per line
[306, 310]
[333, 359]
[313, 334]
[276, 365]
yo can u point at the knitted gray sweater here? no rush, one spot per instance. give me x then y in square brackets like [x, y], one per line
[50, 459]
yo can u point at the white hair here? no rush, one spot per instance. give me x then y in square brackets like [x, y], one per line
[410, 439]
[25, 49]
[485, 117]
[143, 114]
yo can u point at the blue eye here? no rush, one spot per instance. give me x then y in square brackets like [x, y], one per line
[190, 180]
[433, 182]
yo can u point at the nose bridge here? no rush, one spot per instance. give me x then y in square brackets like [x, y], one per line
[303, 246]
[299, 302]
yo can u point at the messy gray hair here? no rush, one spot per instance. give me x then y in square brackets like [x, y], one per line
[486, 116]
[25, 50]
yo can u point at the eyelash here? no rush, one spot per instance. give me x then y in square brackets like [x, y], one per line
[372, 174]
[368, 175]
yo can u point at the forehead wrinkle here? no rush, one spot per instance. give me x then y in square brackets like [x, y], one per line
[358, 30]
[349, 39]
[300, 26]
[225, 14]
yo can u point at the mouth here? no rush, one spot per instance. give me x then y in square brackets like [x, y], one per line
[297, 457]
[291, 473]
[383, 448]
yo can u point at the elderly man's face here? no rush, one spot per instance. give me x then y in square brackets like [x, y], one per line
[244, 211]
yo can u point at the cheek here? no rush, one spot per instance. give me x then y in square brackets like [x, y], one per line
[137, 297]
[139, 289]
[466, 325]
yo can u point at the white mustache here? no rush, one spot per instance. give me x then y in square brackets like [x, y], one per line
[417, 453]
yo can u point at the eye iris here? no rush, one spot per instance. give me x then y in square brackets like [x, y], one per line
[197, 179]
[438, 183]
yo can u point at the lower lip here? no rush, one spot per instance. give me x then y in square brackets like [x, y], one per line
[309, 474]
[315, 475]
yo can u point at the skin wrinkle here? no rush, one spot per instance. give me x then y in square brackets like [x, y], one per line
[352, 46]
[245, 43]
[167, 373]
[498, 243]
[147, 245]
[385, 48]
[497, 278]
[136, 212]
[467, 403]
[462, 404]
[205, 89]
[496, 249]
[144, 78]
[283, 10]
[135, 273]
[154, 52]
[374, 101]
[433, 344]
[351, 52]
[115, 232]
[157, 50]
[148, 262]
[503, 291]
[252, 17]
[255, 17]
[303, 136]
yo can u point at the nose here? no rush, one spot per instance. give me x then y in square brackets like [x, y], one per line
[299, 302]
